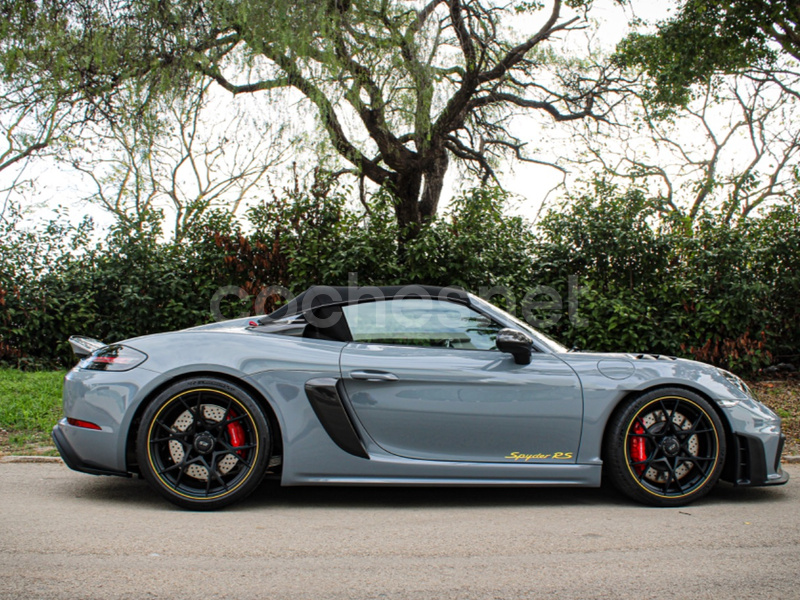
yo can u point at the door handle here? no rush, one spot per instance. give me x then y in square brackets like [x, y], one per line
[373, 375]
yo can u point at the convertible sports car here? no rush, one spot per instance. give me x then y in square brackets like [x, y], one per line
[412, 385]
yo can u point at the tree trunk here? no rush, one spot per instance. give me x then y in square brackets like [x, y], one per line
[434, 182]
[405, 189]
[411, 209]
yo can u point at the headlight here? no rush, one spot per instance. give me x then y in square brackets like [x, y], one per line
[738, 383]
[113, 358]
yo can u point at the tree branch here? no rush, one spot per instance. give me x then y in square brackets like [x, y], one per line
[516, 54]
[330, 121]
[500, 97]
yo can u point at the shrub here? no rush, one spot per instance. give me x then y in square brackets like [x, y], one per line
[715, 292]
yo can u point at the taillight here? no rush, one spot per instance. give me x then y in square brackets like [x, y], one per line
[113, 358]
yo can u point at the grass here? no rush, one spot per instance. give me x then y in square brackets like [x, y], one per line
[30, 404]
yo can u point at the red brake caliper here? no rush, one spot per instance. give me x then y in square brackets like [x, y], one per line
[638, 453]
[236, 433]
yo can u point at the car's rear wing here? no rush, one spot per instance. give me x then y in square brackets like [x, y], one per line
[84, 346]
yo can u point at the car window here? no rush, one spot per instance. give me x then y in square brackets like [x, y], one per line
[421, 322]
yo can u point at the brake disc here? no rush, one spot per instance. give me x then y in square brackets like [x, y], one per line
[211, 412]
[657, 475]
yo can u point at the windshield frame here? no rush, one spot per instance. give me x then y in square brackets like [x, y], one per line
[542, 341]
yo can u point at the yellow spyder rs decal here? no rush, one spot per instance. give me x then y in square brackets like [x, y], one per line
[517, 456]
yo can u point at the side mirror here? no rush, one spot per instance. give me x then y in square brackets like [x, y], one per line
[516, 343]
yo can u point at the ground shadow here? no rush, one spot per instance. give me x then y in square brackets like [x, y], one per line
[135, 491]
[400, 497]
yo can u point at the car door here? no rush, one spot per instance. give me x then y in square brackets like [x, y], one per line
[425, 381]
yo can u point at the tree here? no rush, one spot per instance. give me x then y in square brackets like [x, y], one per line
[399, 91]
[710, 117]
[175, 161]
[710, 37]
[27, 129]
[42, 94]
[735, 146]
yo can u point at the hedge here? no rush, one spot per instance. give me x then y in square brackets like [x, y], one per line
[603, 272]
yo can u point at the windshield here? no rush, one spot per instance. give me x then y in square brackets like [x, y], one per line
[539, 337]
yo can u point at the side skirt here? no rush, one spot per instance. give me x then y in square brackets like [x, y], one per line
[417, 473]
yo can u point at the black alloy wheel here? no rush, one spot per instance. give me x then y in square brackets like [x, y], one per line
[665, 448]
[204, 443]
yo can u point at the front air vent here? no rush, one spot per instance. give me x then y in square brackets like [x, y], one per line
[778, 454]
[743, 475]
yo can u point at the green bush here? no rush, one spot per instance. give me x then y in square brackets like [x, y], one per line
[719, 293]
[55, 282]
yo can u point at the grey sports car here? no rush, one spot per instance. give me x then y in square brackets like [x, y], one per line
[412, 385]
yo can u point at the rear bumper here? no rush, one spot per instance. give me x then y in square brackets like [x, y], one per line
[71, 457]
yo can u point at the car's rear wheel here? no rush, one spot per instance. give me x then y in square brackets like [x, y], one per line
[665, 448]
[204, 443]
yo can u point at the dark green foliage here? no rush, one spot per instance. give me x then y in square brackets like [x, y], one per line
[720, 294]
[623, 267]
[710, 37]
[777, 264]
[474, 246]
[32, 311]
[55, 283]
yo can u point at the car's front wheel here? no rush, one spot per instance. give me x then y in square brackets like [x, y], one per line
[665, 448]
[203, 443]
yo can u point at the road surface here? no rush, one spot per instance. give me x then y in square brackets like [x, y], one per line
[68, 535]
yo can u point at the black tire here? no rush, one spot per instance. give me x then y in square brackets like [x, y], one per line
[204, 443]
[665, 448]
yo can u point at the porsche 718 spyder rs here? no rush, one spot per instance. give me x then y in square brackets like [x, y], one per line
[411, 385]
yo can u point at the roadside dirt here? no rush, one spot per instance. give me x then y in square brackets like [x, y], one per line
[783, 396]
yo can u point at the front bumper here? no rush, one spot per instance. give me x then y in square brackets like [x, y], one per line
[748, 465]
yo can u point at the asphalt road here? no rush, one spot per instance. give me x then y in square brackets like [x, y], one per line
[67, 535]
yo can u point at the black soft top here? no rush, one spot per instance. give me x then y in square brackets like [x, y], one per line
[320, 296]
